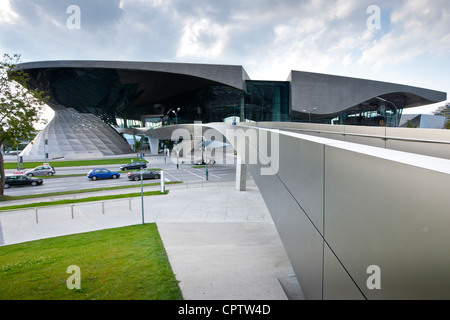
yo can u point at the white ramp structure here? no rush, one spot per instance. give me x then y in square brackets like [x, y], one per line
[74, 135]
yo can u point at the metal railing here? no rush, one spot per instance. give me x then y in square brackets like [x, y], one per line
[69, 209]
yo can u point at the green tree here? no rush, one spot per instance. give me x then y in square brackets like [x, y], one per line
[409, 125]
[20, 107]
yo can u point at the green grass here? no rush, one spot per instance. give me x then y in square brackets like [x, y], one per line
[81, 200]
[74, 163]
[61, 193]
[128, 263]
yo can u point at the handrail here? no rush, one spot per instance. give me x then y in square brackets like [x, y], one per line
[367, 135]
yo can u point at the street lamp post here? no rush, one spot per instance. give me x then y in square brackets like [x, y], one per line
[142, 193]
[309, 113]
[176, 116]
[395, 107]
[203, 159]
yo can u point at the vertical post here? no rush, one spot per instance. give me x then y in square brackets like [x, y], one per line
[142, 194]
[163, 186]
[129, 204]
[71, 210]
[37, 219]
[241, 174]
[103, 207]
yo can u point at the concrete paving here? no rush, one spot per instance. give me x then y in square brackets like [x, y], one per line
[221, 243]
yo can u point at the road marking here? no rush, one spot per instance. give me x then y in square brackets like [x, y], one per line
[172, 177]
[193, 174]
[212, 175]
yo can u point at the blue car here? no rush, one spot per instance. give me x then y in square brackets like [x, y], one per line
[102, 174]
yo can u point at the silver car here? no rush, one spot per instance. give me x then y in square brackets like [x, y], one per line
[44, 170]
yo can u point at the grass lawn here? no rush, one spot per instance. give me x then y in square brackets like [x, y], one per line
[128, 263]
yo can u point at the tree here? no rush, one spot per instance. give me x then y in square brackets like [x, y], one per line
[409, 125]
[20, 107]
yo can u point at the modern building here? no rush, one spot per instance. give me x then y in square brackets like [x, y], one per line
[444, 111]
[424, 121]
[92, 98]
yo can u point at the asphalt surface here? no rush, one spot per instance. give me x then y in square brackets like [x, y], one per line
[184, 172]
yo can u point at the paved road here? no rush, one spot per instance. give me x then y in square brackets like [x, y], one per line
[185, 172]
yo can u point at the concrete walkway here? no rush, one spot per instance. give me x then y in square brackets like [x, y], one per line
[221, 243]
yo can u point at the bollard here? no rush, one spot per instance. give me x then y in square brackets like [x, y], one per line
[103, 207]
[37, 219]
[71, 209]
[129, 204]
[163, 185]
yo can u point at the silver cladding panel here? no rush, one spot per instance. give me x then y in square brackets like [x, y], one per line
[379, 207]
[392, 215]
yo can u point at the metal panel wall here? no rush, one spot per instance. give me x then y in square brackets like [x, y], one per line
[341, 207]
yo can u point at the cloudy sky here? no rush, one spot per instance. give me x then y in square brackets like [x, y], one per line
[408, 42]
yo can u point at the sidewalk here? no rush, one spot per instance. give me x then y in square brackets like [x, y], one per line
[221, 243]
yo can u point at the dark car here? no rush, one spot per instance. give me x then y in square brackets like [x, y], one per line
[21, 180]
[134, 165]
[146, 174]
[102, 174]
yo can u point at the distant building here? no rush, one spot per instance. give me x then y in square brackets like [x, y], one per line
[424, 121]
[444, 111]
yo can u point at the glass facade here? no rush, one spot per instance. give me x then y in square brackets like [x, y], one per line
[262, 101]
[369, 114]
[267, 101]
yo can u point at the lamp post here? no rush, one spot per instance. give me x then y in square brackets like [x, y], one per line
[309, 113]
[395, 107]
[203, 161]
[176, 116]
[142, 193]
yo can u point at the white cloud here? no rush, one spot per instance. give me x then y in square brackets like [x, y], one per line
[418, 28]
[202, 39]
[7, 15]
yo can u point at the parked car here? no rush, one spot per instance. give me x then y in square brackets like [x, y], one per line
[134, 165]
[102, 174]
[147, 174]
[41, 171]
[199, 161]
[21, 180]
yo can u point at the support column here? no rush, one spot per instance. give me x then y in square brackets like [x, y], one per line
[154, 145]
[241, 175]
[242, 111]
